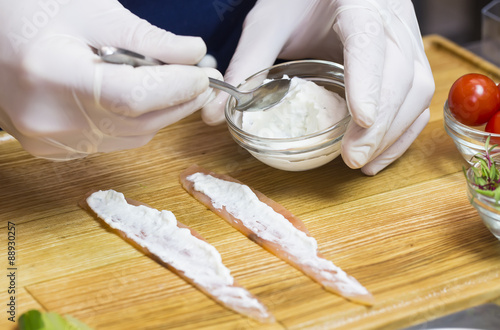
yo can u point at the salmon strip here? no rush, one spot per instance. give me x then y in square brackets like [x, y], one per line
[176, 246]
[271, 226]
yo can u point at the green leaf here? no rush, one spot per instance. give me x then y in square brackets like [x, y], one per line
[484, 174]
[31, 320]
[54, 321]
[480, 181]
[36, 320]
[488, 193]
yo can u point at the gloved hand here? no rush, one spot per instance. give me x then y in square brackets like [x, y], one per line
[62, 102]
[388, 80]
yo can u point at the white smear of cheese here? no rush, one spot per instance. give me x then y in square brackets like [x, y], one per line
[242, 203]
[157, 231]
[307, 108]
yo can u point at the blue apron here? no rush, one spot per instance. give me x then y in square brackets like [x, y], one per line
[218, 22]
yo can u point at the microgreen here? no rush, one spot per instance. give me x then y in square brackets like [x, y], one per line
[485, 174]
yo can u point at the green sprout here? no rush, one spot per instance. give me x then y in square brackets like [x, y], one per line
[485, 174]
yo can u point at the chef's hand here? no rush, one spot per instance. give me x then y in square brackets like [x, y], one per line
[62, 102]
[388, 80]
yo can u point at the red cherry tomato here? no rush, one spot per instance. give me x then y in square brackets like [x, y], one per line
[473, 99]
[493, 125]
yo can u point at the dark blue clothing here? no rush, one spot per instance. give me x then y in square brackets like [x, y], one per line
[218, 22]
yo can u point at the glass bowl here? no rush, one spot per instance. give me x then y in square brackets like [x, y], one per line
[300, 153]
[488, 209]
[468, 140]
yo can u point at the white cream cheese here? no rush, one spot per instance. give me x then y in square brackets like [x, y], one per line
[158, 232]
[242, 203]
[307, 108]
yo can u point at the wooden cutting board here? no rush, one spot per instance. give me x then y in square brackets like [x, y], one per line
[408, 234]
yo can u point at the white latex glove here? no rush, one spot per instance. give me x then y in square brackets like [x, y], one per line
[388, 80]
[62, 102]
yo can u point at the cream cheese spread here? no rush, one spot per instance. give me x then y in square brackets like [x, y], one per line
[307, 108]
[157, 231]
[243, 204]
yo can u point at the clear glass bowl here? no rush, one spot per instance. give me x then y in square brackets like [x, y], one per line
[488, 209]
[301, 153]
[468, 140]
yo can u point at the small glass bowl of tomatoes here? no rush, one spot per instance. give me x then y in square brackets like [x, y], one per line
[472, 113]
[469, 140]
[487, 206]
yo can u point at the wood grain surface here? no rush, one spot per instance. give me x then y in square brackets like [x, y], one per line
[408, 234]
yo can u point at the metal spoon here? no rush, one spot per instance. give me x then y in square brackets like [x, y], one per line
[258, 99]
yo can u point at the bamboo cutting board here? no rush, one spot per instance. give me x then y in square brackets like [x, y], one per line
[408, 234]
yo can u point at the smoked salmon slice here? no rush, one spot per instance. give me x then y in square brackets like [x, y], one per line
[271, 226]
[159, 235]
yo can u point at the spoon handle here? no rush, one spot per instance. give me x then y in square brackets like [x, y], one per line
[123, 56]
[225, 87]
